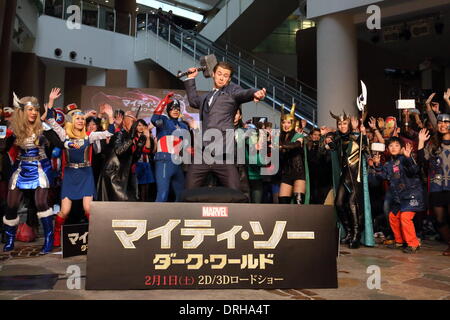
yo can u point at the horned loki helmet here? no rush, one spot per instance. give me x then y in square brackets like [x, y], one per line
[289, 116]
[341, 117]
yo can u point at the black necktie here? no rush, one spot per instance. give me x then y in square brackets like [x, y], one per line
[209, 99]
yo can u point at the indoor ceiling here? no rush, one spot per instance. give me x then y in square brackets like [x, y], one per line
[433, 45]
[200, 6]
[106, 3]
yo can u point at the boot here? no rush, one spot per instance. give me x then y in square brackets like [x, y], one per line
[299, 198]
[348, 234]
[46, 218]
[356, 234]
[284, 200]
[59, 222]
[10, 227]
[2, 228]
[2, 231]
[344, 219]
[445, 233]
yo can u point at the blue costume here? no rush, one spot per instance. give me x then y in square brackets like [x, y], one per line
[78, 181]
[167, 172]
[405, 184]
[33, 169]
[144, 172]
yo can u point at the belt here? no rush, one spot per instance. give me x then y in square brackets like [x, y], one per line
[78, 165]
[36, 158]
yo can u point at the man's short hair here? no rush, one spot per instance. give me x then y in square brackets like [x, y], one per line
[224, 65]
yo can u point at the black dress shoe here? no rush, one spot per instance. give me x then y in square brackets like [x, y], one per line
[354, 244]
[346, 239]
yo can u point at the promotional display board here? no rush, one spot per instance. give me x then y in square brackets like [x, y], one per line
[75, 239]
[128, 99]
[210, 246]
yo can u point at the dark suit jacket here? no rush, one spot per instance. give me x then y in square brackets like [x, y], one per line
[223, 107]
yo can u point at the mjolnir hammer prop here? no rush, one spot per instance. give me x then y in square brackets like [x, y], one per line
[207, 64]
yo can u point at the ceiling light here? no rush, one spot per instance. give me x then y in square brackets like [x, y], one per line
[176, 11]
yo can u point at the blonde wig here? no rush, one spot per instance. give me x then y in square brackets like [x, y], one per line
[21, 127]
[71, 132]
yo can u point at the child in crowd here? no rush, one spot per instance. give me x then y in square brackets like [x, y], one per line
[403, 174]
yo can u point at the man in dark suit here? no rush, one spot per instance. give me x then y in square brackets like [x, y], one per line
[217, 110]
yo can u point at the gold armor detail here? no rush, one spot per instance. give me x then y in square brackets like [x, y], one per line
[289, 116]
[353, 157]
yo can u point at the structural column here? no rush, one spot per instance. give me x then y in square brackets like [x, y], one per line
[7, 16]
[124, 8]
[337, 67]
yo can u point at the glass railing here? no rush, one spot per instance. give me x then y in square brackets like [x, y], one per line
[251, 72]
[93, 15]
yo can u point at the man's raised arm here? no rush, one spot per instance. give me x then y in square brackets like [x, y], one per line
[191, 89]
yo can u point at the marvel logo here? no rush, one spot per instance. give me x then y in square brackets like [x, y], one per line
[215, 212]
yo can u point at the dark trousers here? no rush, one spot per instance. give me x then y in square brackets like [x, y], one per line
[226, 173]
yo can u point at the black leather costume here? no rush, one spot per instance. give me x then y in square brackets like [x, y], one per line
[291, 158]
[348, 193]
[117, 182]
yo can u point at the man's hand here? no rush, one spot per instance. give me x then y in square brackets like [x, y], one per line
[407, 150]
[362, 128]
[447, 95]
[373, 123]
[107, 110]
[259, 95]
[118, 120]
[424, 135]
[91, 113]
[193, 74]
[376, 159]
[54, 94]
[435, 107]
[190, 121]
[325, 130]
[355, 122]
[430, 98]
[380, 123]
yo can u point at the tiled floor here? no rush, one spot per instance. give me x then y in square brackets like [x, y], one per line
[425, 275]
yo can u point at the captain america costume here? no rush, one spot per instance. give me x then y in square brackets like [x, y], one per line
[167, 173]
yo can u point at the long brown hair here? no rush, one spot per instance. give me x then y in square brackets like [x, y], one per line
[21, 127]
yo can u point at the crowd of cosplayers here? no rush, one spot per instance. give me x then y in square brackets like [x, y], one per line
[388, 178]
